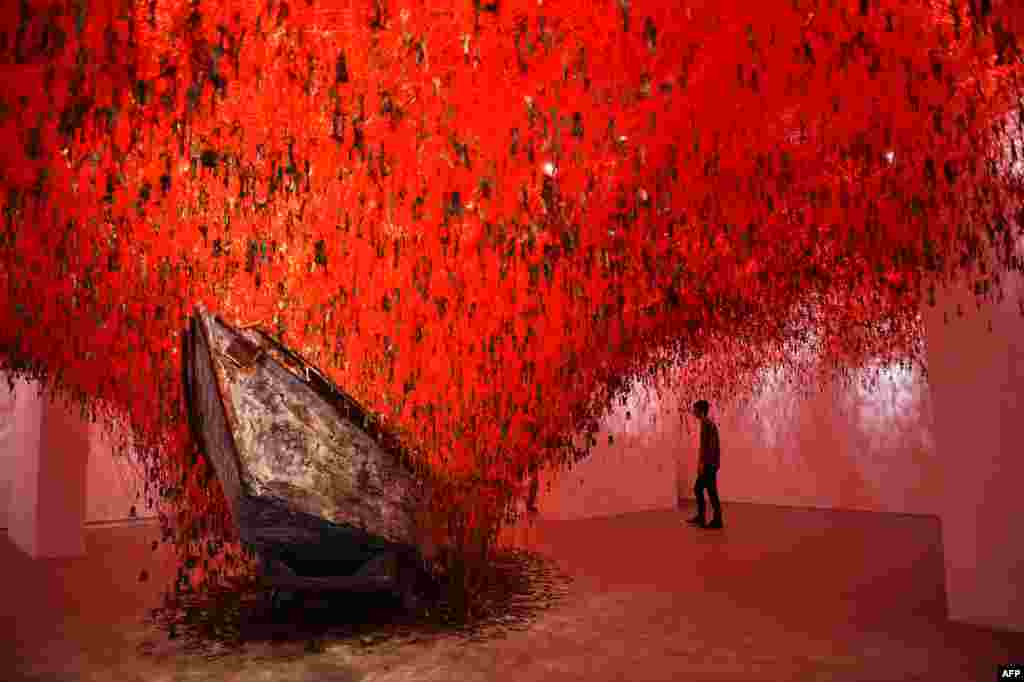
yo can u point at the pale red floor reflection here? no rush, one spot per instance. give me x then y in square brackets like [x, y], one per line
[780, 594]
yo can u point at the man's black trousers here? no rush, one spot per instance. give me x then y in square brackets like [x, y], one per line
[708, 481]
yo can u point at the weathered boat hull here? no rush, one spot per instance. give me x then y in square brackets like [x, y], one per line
[325, 503]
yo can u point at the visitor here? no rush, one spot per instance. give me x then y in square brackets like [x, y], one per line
[707, 467]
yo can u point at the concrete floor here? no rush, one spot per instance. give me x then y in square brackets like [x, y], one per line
[779, 594]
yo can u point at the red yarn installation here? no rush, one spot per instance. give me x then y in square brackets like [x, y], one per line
[485, 218]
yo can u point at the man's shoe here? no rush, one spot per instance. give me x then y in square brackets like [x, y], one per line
[696, 520]
[717, 523]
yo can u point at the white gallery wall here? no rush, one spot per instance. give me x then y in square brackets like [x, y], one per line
[978, 385]
[951, 445]
[844, 447]
[8, 404]
[635, 472]
[115, 481]
[24, 435]
[29, 423]
[59, 488]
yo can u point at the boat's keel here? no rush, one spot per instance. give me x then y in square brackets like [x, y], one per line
[394, 572]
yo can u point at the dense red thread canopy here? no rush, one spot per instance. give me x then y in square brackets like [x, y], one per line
[484, 218]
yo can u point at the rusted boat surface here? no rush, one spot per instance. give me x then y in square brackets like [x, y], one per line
[322, 492]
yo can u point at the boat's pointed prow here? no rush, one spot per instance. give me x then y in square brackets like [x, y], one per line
[280, 434]
[206, 407]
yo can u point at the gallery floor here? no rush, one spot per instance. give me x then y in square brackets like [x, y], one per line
[779, 594]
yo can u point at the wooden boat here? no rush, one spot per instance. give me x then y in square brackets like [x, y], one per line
[322, 492]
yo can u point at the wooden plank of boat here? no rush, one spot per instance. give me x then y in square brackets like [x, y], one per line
[305, 469]
[379, 573]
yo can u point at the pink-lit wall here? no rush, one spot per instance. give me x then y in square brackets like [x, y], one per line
[23, 471]
[47, 451]
[949, 446]
[58, 470]
[8, 404]
[843, 448]
[978, 380]
[60, 489]
[636, 471]
[114, 481]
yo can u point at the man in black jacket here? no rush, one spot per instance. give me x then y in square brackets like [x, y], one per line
[707, 467]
